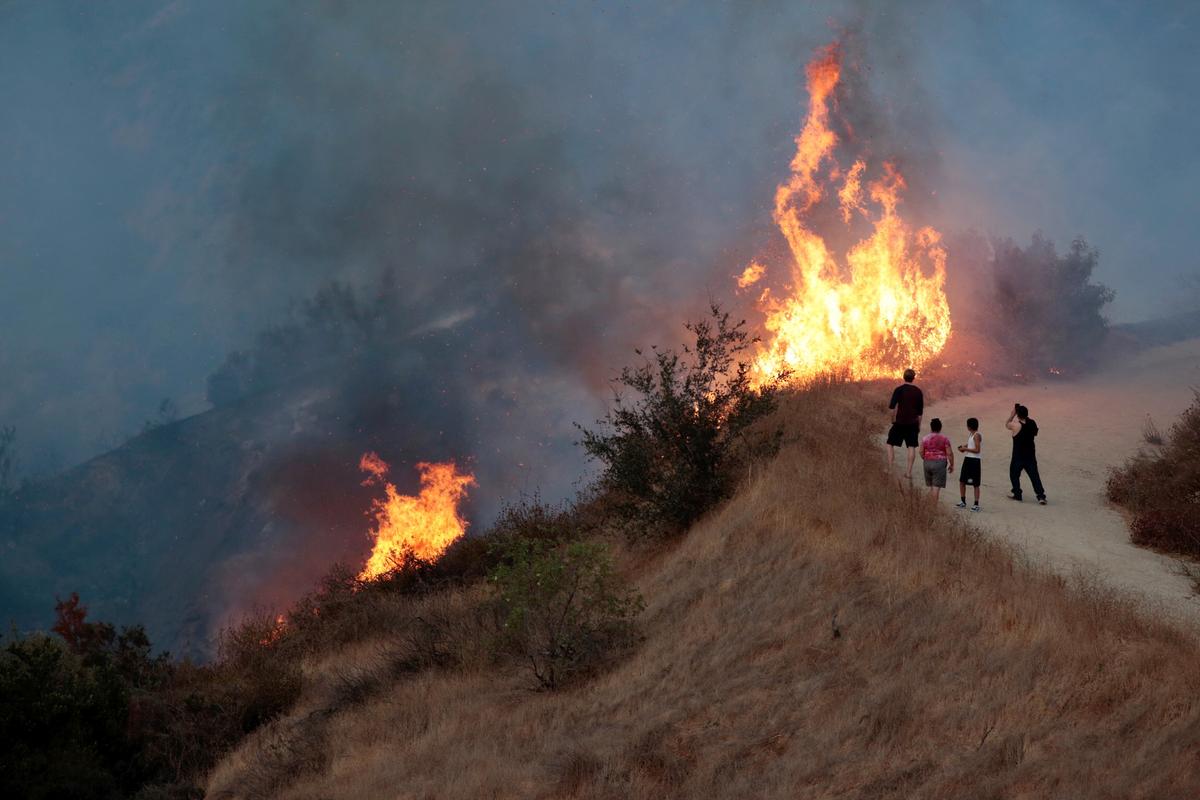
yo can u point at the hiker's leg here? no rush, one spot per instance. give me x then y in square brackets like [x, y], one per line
[1014, 475]
[937, 492]
[976, 495]
[1036, 479]
[962, 491]
[912, 456]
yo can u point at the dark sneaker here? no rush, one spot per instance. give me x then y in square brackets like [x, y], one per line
[961, 504]
[1016, 497]
[1041, 501]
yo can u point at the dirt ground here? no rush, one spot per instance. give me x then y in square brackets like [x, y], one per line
[1086, 426]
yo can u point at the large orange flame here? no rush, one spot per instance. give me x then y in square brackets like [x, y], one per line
[424, 525]
[885, 308]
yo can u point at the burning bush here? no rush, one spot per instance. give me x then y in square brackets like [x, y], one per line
[880, 306]
[1161, 486]
[565, 610]
[672, 453]
[420, 527]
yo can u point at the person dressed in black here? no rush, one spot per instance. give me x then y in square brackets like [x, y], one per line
[909, 404]
[1024, 454]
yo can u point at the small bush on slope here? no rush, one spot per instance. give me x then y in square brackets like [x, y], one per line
[672, 451]
[565, 610]
[1161, 487]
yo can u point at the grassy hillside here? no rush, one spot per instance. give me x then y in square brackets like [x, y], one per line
[825, 633]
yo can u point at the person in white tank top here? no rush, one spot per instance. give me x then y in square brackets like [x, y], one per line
[970, 472]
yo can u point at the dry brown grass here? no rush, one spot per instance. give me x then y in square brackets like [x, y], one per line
[824, 634]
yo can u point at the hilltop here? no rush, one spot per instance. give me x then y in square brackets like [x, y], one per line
[823, 633]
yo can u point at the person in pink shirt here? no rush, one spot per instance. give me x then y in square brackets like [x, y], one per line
[938, 455]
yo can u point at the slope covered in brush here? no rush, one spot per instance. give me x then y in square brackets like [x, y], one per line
[193, 522]
[821, 634]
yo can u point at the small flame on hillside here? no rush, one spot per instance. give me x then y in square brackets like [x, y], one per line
[278, 629]
[424, 525]
[885, 308]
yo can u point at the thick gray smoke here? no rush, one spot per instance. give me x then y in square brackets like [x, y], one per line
[535, 189]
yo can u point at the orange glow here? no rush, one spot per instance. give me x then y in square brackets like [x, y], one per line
[880, 308]
[424, 525]
[276, 632]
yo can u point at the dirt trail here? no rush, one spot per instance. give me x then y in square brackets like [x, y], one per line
[1086, 426]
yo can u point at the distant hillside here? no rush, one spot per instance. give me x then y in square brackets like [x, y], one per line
[1163, 330]
[247, 504]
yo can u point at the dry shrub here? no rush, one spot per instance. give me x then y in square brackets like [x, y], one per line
[1171, 530]
[1160, 485]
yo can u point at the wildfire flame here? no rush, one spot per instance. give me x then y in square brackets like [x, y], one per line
[424, 525]
[885, 307]
[751, 275]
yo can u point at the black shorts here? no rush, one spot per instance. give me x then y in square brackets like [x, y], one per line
[903, 433]
[969, 472]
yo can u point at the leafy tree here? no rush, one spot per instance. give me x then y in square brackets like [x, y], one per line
[1048, 312]
[671, 450]
[61, 724]
[92, 713]
[65, 727]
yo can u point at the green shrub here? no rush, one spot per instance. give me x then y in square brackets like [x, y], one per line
[564, 610]
[673, 451]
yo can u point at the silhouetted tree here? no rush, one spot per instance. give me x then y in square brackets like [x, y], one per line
[669, 452]
[335, 326]
[1047, 311]
[8, 460]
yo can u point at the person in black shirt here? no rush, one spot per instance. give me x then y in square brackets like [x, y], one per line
[1024, 454]
[909, 403]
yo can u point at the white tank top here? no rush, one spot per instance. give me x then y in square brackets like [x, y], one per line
[971, 443]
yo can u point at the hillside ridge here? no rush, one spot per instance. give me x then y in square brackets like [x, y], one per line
[823, 633]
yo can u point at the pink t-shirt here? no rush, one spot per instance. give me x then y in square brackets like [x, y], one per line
[935, 447]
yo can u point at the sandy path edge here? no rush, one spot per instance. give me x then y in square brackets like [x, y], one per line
[1087, 426]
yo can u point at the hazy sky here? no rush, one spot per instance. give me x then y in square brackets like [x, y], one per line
[174, 174]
